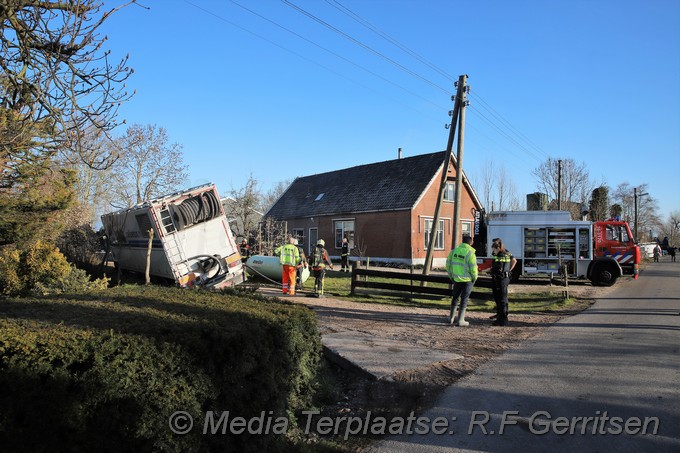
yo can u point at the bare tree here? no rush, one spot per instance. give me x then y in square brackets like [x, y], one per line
[671, 229]
[576, 185]
[647, 208]
[57, 83]
[92, 188]
[506, 193]
[487, 184]
[149, 166]
[243, 208]
[274, 194]
[498, 189]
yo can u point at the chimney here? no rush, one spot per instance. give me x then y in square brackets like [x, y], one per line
[399, 154]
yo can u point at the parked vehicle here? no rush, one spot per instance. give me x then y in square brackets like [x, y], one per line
[192, 242]
[549, 242]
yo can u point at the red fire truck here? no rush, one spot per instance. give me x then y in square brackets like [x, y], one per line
[549, 242]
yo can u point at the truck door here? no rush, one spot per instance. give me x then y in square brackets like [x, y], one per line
[613, 239]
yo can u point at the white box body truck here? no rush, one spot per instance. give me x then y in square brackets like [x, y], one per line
[192, 242]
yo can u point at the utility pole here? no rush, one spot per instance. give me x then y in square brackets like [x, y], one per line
[635, 211]
[637, 195]
[459, 98]
[559, 185]
[459, 168]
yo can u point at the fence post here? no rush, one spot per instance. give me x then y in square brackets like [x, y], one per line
[353, 276]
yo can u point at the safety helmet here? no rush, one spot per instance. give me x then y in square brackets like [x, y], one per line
[320, 242]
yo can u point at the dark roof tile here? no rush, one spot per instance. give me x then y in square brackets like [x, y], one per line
[384, 186]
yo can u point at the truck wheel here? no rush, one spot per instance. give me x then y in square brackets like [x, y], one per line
[604, 276]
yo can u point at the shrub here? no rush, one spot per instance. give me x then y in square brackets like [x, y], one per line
[40, 268]
[80, 244]
[64, 389]
[106, 369]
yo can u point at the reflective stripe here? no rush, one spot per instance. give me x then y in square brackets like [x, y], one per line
[461, 264]
[288, 255]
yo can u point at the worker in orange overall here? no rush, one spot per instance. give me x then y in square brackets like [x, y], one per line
[289, 257]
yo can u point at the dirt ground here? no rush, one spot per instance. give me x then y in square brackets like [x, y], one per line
[416, 390]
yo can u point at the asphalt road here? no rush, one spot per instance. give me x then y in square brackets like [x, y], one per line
[605, 380]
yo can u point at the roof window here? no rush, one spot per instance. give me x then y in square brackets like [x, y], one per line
[320, 196]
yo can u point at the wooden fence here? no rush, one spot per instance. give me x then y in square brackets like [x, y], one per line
[417, 282]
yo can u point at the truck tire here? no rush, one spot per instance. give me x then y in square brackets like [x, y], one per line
[604, 275]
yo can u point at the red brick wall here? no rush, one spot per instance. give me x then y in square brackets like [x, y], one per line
[398, 234]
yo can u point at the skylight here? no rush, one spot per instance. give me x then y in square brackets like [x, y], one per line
[320, 196]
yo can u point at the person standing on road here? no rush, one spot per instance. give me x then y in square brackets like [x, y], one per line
[345, 255]
[501, 271]
[289, 257]
[319, 261]
[461, 265]
[657, 253]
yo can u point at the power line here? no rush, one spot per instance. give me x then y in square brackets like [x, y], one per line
[507, 123]
[362, 45]
[499, 123]
[340, 7]
[308, 59]
[335, 54]
[345, 10]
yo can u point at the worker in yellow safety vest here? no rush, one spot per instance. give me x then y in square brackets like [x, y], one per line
[289, 257]
[461, 265]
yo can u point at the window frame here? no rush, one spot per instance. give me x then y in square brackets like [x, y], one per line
[439, 240]
[449, 188]
[339, 233]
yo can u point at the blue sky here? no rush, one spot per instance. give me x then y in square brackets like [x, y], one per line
[276, 94]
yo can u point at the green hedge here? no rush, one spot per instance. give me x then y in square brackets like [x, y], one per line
[105, 370]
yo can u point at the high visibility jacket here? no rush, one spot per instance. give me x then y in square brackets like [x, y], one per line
[288, 254]
[461, 265]
[501, 263]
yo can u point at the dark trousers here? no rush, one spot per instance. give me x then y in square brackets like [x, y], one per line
[500, 294]
[462, 290]
[345, 262]
[319, 275]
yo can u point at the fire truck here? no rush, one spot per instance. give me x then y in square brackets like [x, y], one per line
[549, 242]
[191, 244]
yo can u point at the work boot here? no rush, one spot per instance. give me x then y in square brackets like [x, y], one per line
[461, 318]
[452, 313]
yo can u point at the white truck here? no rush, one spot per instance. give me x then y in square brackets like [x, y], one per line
[549, 242]
[192, 242]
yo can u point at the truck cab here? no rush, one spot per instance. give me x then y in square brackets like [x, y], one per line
[616, 252]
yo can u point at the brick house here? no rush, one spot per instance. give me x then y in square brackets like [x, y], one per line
[385, 209]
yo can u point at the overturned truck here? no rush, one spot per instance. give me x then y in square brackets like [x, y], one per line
[192, 242]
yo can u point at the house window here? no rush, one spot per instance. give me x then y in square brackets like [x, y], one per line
[439, 239]
[344, 228]
[299, 234]
[466, 228]
[450, 192]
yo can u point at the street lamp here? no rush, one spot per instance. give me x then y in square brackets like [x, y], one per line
[637, 195]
